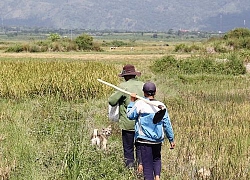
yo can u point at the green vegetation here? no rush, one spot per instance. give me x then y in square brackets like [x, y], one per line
[236, 39]
[232, 65]
[55, 43]
[186, 48]
[50, 106]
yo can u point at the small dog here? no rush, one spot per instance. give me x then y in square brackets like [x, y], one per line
[101, 139]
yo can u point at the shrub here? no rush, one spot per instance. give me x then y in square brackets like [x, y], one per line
[233, 40]
[220, 48]
[55, 43]
[118, 43]
[246, 43]
[164, 64]
[16, 48]
[235, 65]
[237, 33]
[96, 47]
[54, 37]
[84, 42]
[186, 48]
[179, 48]
[232, 65]
[195, 47]
[34, 48]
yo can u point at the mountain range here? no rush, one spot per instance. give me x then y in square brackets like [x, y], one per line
[128, 15]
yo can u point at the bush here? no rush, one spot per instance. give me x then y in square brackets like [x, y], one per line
[220, 48]
[232, 65]
[84, 42]
[54, 37]
[96, 47]
[186, 48]
[233, 40]
[235, 65]
[179, 48]
[55, 43]
[237, 33]
[164, 64]
[16, 48]
[118, 43]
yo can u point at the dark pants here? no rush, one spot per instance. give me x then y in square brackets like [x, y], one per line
[151, 160]
[138, 154]
[128, 148]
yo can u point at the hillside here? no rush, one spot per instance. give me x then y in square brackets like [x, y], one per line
[140, 15]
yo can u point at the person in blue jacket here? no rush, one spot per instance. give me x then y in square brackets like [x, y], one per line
[148, 135]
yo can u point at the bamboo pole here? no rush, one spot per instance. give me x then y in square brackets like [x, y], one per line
[129, 93]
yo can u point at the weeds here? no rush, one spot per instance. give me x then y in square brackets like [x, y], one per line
[48, 110]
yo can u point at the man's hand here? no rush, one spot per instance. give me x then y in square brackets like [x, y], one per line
[172, 145]
[133, 97]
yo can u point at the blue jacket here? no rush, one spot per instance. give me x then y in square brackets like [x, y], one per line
[144, 127]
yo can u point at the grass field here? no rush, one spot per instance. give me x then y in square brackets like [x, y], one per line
[51, 102]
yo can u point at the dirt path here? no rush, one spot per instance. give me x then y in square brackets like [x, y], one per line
[81, 56]
[85, 56]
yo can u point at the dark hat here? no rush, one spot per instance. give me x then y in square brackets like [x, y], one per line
[149, 88]
[129, 70]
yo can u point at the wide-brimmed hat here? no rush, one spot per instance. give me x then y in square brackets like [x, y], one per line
[129, 70]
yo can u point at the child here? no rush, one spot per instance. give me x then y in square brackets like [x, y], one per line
[149, 136]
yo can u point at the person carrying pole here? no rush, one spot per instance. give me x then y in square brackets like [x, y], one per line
[151, 123]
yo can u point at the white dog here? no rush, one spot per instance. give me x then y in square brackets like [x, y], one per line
[101, 139]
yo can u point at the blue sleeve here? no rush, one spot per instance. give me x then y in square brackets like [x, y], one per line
[168, 127]
[131, 111]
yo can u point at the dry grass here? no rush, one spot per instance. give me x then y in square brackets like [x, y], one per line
[5, 170]
[206, 123]
[81, 56]
[5, 167]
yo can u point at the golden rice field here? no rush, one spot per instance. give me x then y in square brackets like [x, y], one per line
[69, 80]
[50, 104]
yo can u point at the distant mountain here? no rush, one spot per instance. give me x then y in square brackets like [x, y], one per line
[131, 15]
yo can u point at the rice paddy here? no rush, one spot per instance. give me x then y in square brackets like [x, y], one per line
[51, 102]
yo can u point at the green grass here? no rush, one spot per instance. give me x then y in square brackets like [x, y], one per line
[48, 137]
[210, 119]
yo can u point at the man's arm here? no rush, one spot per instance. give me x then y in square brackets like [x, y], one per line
[132, 109]
[114, 98]
[169, 130]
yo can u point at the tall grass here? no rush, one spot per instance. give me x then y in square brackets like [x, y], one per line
[67, 80]
[210, 118]
[48, 110]
[50, 139]
[47, 131]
